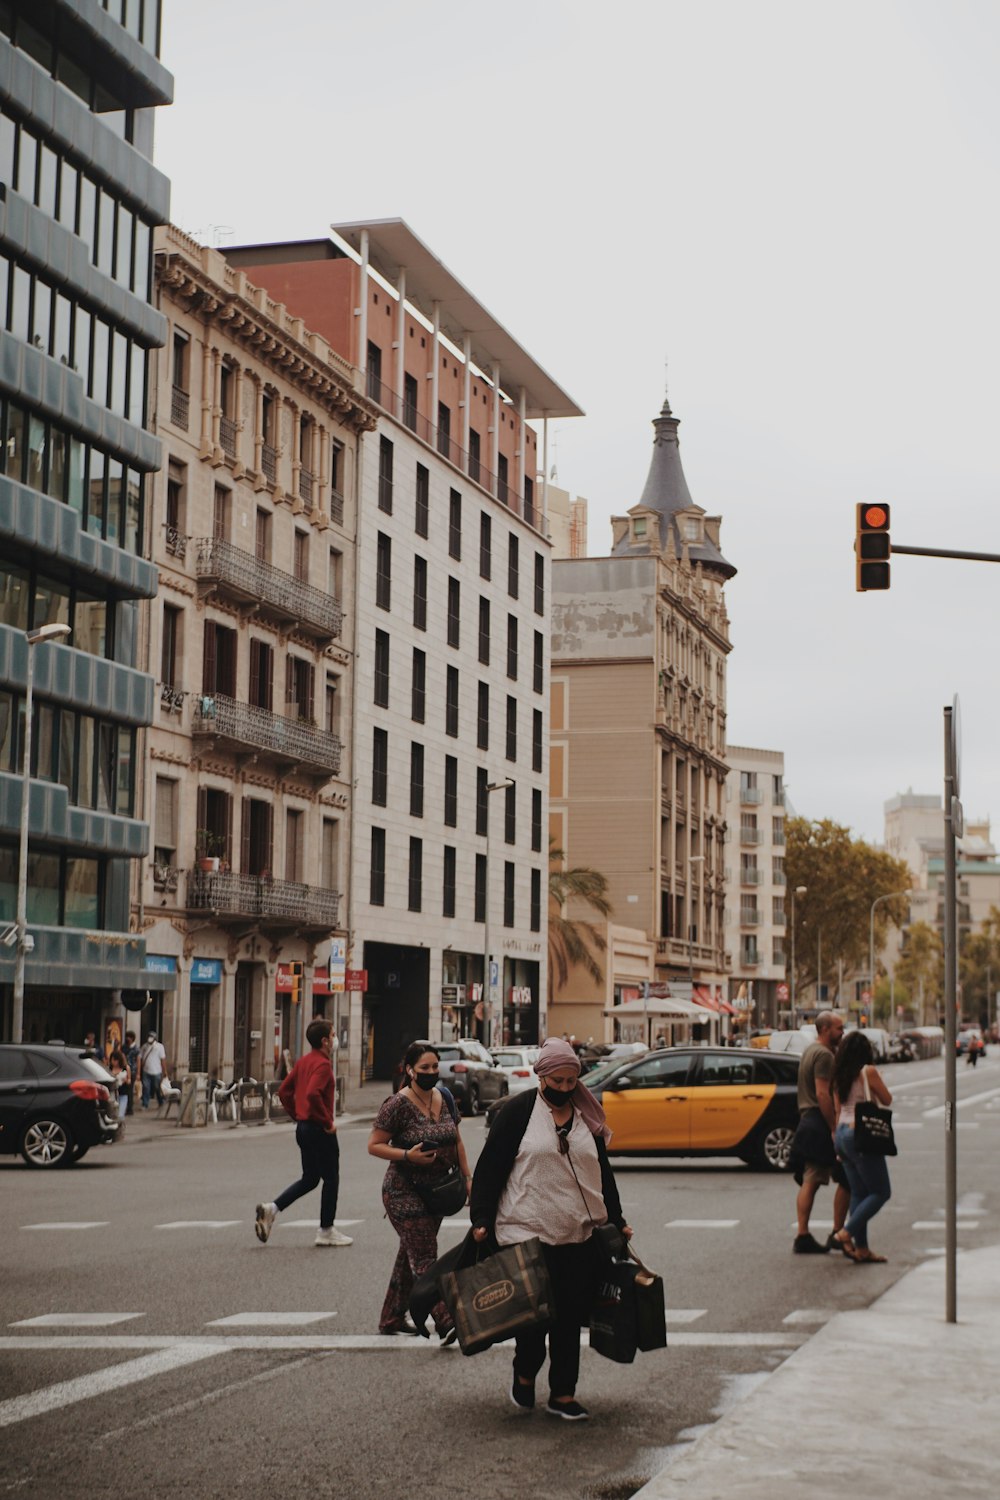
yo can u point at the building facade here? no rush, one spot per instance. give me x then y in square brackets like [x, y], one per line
[567, 522]
[79, 85]
[245, 898]
[638, 754]
[452, 623]
[755, 927]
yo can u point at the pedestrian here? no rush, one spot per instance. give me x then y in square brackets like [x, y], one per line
[416, 1132]
[307, 1095]
[814, 1158]
[152, 1067]
[91, 1047]
[131, 1050]
[544, 1172]
[855, 1077]
[122, 1074]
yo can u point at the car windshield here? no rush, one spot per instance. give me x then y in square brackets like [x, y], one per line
[449, 1054]
[601, 1073]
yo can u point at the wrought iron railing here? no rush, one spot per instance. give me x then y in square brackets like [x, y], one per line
[229, 894]
[269, 462]
[165, 877]
[305, 486]
[227, 435]
[180, 406]
[245, 724]
[176, 542]
[336, 507]
[278, 591]
[171, 698]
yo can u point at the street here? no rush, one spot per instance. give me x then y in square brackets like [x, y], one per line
[149, 1340]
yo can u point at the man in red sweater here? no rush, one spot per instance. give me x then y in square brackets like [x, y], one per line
[307, 1094]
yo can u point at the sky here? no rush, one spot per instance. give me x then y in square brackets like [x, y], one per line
[786, 210]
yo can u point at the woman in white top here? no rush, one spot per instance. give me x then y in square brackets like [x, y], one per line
[867, 1175]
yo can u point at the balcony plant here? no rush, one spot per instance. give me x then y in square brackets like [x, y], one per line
[209, 849]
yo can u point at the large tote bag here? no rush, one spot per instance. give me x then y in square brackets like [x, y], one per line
[504, 1294]
[628, 1313]
[873, 1135]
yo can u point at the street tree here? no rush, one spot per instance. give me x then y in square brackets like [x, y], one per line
[574, 941]
[979, 969]
[920, 969]
[842, 876]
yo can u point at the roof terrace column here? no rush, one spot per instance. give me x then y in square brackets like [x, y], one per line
[466, 397]
[361, 311]
[435, 369]
[495, 428]
[519, 450]
[400, 343]
[545, 467]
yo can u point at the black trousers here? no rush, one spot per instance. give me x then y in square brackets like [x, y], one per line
[320, 1152]
[574, 1271]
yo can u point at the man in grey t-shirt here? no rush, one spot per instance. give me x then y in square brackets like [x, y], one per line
[817, 1123]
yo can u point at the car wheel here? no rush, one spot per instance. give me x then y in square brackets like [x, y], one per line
[472, 1103]
[47, 1143]
[772, 1149]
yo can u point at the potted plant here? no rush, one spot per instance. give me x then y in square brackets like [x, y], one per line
[210, 848]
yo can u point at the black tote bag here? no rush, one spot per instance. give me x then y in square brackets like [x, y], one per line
[873, 1134]
[628, 1313]
[501, 1295]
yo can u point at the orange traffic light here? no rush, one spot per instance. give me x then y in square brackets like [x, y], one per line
[872, 548]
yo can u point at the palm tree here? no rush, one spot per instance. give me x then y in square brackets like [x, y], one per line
[570, 942]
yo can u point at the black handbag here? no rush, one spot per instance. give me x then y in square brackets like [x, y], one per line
[443, 1196]
[873, 1135]
[504, 1294]
[628, 1313]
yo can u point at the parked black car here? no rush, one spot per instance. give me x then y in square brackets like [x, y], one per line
[468, 1070]
[55, 1103]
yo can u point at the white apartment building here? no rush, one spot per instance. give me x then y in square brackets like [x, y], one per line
[755, 925]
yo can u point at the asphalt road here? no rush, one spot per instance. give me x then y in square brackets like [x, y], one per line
[301, 1397]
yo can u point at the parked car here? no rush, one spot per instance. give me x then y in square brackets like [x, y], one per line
[468, 1070]
[515, 1063]
[55, 1103]
[596, 1054]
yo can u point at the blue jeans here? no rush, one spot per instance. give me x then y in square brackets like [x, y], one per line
[868, 1179]
[320, 1152]
[151, 1083]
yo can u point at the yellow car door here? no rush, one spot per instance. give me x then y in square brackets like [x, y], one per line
[726, 1104]
[648, 1105]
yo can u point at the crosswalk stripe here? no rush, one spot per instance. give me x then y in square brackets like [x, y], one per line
[685, 1314]
[939, 1109]
[269, 1319]
[100, 1382]
[76, 1320]
[344, 1342]
[199, 1224]
[809, 1315]
[939, 1224]
[701, 1224]
[282, 1223]
[70, 1224]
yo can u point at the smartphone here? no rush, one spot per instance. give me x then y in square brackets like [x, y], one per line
[429, 1146]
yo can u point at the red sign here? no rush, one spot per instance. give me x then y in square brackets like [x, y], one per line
[782, 991]
[356, 979]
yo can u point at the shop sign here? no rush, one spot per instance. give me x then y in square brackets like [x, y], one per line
[161, 963]
[520, 994]
[356, 979]
[206, 971]
[782, 992]
[338, 966]
[453, 994]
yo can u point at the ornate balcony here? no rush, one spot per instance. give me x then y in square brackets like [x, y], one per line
[176, 542]
[244, 726]
[306, 486]
[241, 575]
[257, 899]
[180, 403]
[165, 877]
[269, 462]
[227, 436]
[171, 698]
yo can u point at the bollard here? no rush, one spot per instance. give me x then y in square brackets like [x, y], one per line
[193, 1108]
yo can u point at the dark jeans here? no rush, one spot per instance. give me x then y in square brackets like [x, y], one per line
[320, 1152]
[573, 1271]
[869, 1180]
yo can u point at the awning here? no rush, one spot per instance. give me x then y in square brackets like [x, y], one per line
[634, 1010]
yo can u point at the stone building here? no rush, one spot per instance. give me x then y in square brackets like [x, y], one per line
[638, 755]
[756, 928]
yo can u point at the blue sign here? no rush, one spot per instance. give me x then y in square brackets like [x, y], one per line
[206, 971]
[161, 963]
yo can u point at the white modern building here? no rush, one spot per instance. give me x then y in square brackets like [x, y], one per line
[755, 925]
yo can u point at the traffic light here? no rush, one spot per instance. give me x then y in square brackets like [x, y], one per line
[872, 547]
[295, 969]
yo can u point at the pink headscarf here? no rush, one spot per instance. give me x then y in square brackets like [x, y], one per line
[555, 1054]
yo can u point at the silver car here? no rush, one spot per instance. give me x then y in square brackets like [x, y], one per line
[516, 1064]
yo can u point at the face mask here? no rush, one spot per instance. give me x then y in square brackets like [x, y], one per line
[555, 1097]
[425, 1080]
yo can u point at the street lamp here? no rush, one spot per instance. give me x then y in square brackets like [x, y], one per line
[24, 943]
[797, 890]
[491, 786]
[892, 895]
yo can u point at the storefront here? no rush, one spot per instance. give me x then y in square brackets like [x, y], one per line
[206, 979]
[520, 1003]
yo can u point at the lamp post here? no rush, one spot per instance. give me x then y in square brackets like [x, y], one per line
[24, 944]
[491, 786]
[891, 896]
[797, 890]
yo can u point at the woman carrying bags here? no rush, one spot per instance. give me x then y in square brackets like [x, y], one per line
[855, 1078]
[544, 1172]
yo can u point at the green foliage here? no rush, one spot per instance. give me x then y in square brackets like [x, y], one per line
[842, 876]
[571, 941]
[979, 969]
[921, 969]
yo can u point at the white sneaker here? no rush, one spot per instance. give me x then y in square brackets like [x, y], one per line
[266, 1215]
[332, 1237]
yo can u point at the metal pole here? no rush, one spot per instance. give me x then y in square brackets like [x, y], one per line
[819, 969]
[793, 957]
[486, 933]
[17, 1020]
[950, 999]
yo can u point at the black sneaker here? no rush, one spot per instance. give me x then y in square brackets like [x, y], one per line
[806, 1245]
[448, 1336]
[523, 1396]
[570, 1411]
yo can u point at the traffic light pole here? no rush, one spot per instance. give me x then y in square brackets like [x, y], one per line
[945, 552]
[952, 830]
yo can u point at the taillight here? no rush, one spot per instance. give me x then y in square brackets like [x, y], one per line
[84, 1089]
[522, 1073]
[460, 1068]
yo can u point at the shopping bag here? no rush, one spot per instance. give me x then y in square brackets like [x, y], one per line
[873, 1125]
[628, 1313]
[499, 1296]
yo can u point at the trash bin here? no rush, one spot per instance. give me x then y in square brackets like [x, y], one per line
[193, 1108]
[251, 1104]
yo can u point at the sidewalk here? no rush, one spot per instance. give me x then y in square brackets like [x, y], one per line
[362, 1106]
[892, 1402]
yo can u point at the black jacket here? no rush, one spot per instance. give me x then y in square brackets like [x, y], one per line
[497, 1158]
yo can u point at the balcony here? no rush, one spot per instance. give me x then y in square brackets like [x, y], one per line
[751, 835]
[675, 951]
[240, 574]
[227, 436]
[751, 795]
[165, 877]
[749, 958]
[779, 877]
[259, 900]
[171, 698]
[244, 726]
[336, 507]
[751, 877]
[269, 462]
[750, 916]
[180, 405]
[306, 483]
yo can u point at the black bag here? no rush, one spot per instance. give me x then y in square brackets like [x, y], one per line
[628, 1312]
[873, 1127]
[504, 1294]
[442, 1196]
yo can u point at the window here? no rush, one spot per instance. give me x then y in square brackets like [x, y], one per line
[262, 538]
[294, 850]
[536, 900]
[336, 578]
[330, 854]
[483, 717]
[512, 567]
[508, 893]
[418, 687]
[261, 674]
[170, 646]
[219, 660]
[454, 610]
[482, 801]
[376, 893]
[451, 703]
[422, 512]
[410, 402]
[256, 836]
[777, 830]
[420, 593]
[301, 560]
[512, 729]
[539, 584]
[512, 647]
[336, 482]
[778, 911]
[448, 889]
[444, 429]
[381, 669]
[176, 541]
[480, 889]
[385, 475]
[450, 791]
[181, 365]
[664, 1072]
[455, 525]
[536, 820]
[221, 512]
[475, 452]
[538, 663]
[485, 545]
[416, 780]
[529, 500]
[484, 631]
[300, 679]
[383, 571]
[416, 875]
[536, 740]
[374, 382]
[510, 815]
[165, 822]
[380, 767]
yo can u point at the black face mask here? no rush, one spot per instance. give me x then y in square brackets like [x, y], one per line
[425, 1080]
[555, 1097]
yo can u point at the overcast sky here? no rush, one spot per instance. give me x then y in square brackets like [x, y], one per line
[793, 203]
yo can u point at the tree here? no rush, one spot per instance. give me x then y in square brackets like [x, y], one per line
[921, 968]
[842, 876]
[571, 940]
[979, 969]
